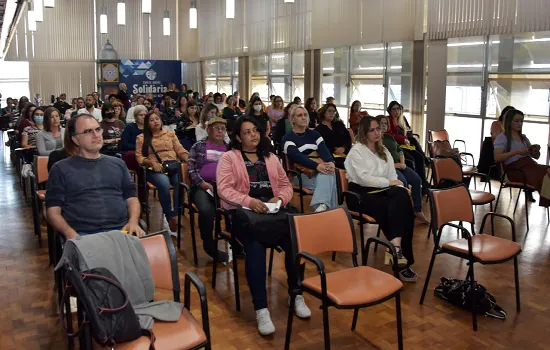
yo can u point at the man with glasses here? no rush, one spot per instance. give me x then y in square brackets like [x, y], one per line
[90, 192]
[202, 164]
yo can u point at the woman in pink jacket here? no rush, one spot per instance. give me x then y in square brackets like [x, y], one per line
[250, 175]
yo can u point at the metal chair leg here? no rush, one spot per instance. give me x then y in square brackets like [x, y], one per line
[326, 328]
[516, 279]
[526, 210]
[354, 323]
[399, 322]
[271, 262]
[432, 261]
[236, 282]
[474, 299]
[193, 238]
[289, 321]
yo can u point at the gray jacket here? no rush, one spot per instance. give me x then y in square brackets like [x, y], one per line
[45, 142]
[124, 256]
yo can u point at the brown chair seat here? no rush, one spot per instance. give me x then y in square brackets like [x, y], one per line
[186, 333]
[481, 197]
[468, 169]
[485, 248]
[367, 218]
[356, 286]
[303, 189]
[41, 194]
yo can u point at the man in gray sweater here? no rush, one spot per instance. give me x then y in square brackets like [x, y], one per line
[90, 192]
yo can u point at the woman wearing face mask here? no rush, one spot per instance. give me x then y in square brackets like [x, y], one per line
[208, 112]
[231, 113]
[186, 126]
[256, 110]
[149, 104]
[112, 127]
[51, 138]
[29, 133]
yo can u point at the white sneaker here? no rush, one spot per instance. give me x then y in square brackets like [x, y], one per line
[166, 227]
[321, 207]
[300, 307]
[265, 325]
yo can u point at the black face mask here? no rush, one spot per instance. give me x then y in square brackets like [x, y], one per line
[149, 107]
[109, 115]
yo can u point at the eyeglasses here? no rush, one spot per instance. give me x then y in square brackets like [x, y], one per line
[331, 111]
[218, 128]
[374, 129]
[97, 130]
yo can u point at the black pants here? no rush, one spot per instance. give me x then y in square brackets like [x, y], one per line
[256, 271]
[207, 212]
[393, 211]
[418, 160]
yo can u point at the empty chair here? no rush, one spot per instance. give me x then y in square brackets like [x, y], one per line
[455, 204]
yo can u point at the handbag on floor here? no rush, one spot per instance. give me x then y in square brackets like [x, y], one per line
[460, 293]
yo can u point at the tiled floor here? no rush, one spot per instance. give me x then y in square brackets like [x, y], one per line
[28, 319]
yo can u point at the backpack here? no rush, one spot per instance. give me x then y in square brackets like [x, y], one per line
[460, 293]
[106, 306]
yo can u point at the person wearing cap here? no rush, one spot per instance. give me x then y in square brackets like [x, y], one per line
[202, 164]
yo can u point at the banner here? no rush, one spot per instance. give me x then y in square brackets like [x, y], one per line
[149, 76]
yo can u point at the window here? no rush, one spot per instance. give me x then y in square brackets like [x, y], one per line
[335, 76]
[14, 80]
[222, 75]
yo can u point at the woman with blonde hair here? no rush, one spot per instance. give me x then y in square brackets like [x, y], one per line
[276, 112]
[371, 173]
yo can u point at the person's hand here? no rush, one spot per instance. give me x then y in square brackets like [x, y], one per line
[206, 186]
[407, 142]
[339, 151]
[523, 150]
[258, 206]
[71, 234]
[274, 200]
[325, 168]
[132, 228]
[400, 166]
[157, 167]
[396, 183]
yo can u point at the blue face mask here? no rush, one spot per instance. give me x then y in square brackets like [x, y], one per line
[39, 119]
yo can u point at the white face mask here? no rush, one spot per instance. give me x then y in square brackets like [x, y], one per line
[257, 108]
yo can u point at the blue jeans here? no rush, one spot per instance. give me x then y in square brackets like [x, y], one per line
[324, 189]
[207, 212]
[410, 177]
[162, 183]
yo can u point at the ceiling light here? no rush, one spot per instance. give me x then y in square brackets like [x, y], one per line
[229, 8]
[38, 11]
[166, 23]
[49, 3]
[146, 6]
[31, 21]
[103, 21]
[121, 13]
[193, 15]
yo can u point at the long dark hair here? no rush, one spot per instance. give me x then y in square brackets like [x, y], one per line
[503, 113]
[47, 118]
[323, 111]
[147, 134]
[364, 126]
[264, 147]
[508, 117]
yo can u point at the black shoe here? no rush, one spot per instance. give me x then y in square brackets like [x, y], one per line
[408, 275]
[530, 196]
[221, 255]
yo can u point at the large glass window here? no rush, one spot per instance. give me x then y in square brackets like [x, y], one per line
[222, 75]
[14, 80]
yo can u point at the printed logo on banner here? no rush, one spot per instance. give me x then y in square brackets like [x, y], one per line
[149, 76]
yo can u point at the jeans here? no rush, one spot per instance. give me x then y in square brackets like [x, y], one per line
[207, 212]
[256, 271]
[324, 189]
[162, 183]
[412, 178]
[418, 159]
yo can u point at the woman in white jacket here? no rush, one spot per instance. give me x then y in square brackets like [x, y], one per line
[371, 173]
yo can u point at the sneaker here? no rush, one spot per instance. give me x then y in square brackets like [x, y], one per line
[165, 225]
[300, 307]
[265, 325]
[408, 275]
[321, 207]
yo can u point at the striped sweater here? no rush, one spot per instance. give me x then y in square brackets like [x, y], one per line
[300, 146]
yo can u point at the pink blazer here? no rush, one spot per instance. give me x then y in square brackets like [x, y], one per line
[234, 184]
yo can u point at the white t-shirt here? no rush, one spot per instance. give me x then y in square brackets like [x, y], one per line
[96, 113]
[130, 115]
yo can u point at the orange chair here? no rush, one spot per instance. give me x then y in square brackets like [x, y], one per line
[354, 200]
[187, 332]
[443, 135]
[38, 192]
[349, 288]
[455, 204]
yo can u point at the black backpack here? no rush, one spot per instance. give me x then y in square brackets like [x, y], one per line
[460, 293]
[106, 306]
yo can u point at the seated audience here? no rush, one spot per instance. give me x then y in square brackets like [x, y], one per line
[90, 109]
[118, 110]
[231, 112]
[355, 115]
[62, 105]
[51, 138]
[154, 147]
[283, 125]
[25, 119]
[334, 133]
[249, 175]
[203, 160]
[219, 102]
[497, 127]
[515, 151]
[186, 126]
[311, 107]
[370, 167]
[256, 110]
[139, 100]
[276, 112]
[306, 148]
[112, 127]
[297, 100]
[405, 174]
[70, 113]
[132, 130]
[399, 129]
[208, 112]
[90, 192]
[35, 127]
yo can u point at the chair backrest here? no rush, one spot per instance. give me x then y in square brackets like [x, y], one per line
[352, 135]
[41, 169]
[341, 184]
[162, 258]
[328, 231]
[446, 168]
[441, 135]
[451, 204]
[186, 179]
